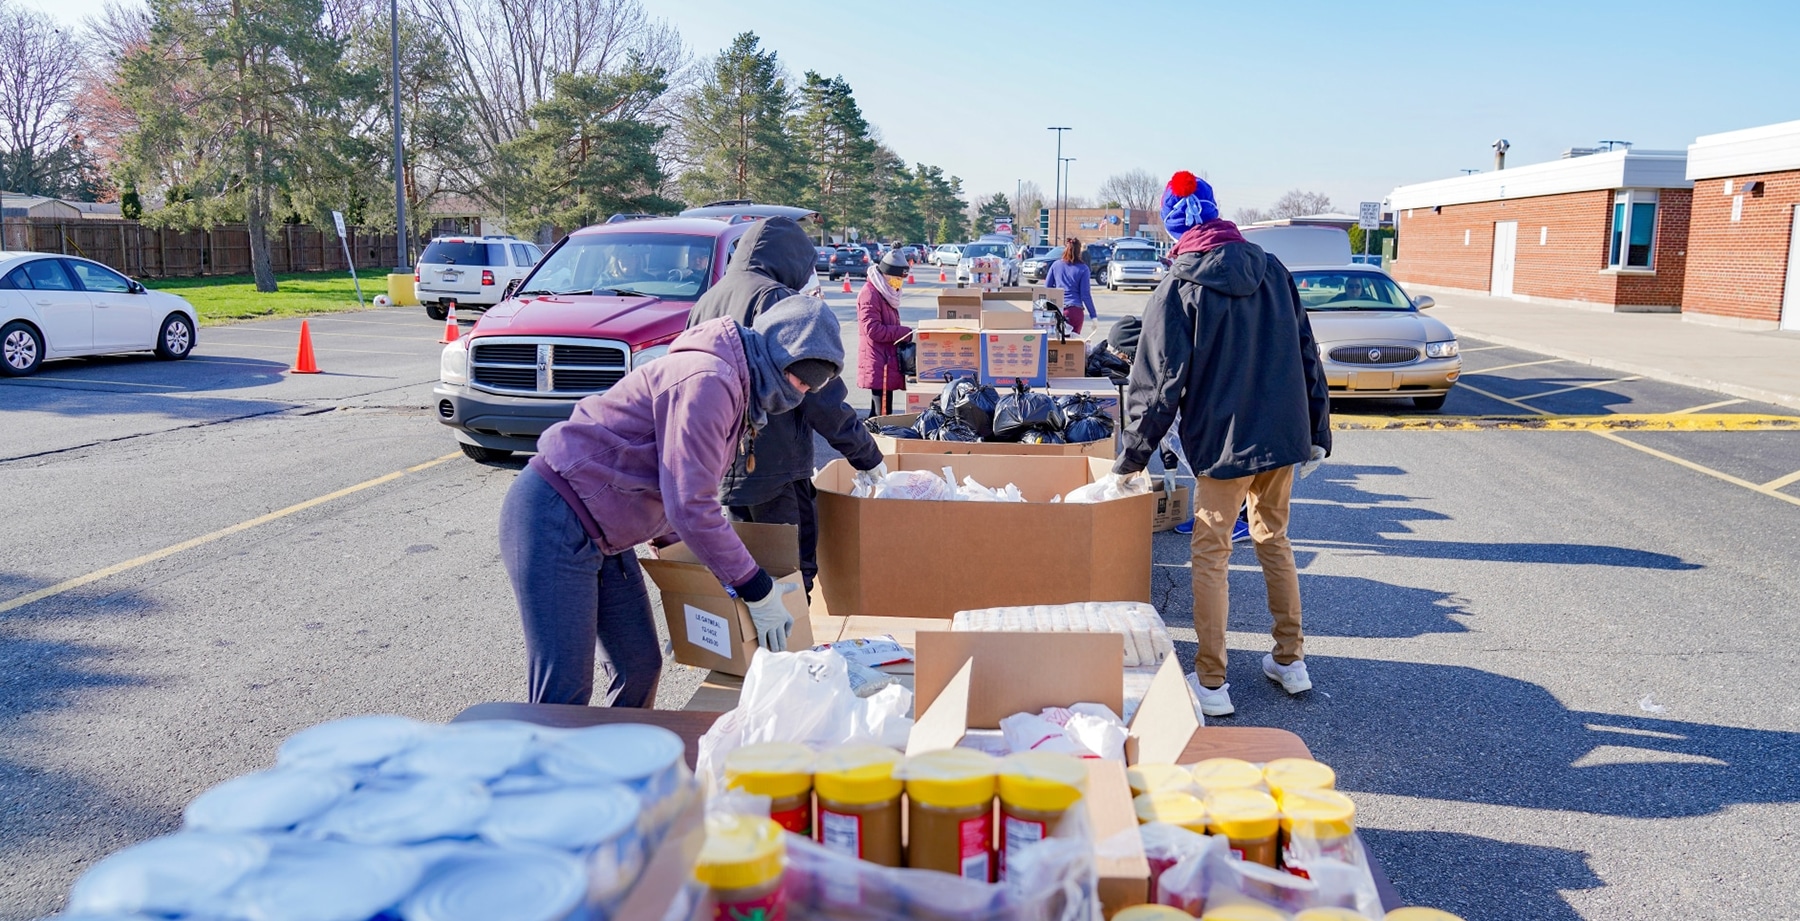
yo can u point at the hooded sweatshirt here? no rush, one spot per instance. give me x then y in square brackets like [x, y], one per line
[643, 460]
[774, 259]
[1226, 344]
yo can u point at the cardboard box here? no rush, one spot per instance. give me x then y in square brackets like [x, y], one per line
[711, 629]
[954, 305]
[1014, 354]
[891, 445]
[972, 680]
[1026, 293]
[1172, 507]
[947, 348]
[908, 558]
[1008, 317]
[918, 400]
[1066, 357]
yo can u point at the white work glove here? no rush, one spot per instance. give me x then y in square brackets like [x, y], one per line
[866, 480]
[771, 618]
[1312, 463]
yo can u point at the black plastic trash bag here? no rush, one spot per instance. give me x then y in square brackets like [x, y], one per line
[929, 422]
[971, 403]
[1104, 362]
[1078, 405]
[1023, 411]
[899, 431]
[955, 430]
[1089, 428]
[1039, 437]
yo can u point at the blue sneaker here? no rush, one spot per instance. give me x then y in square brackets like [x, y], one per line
[1240, 531]
[1186, 527]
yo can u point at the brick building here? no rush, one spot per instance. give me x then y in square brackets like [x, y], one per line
[1603, 231]
[1743, 265]
[1090, 224]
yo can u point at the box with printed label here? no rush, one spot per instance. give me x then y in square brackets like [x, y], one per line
[947, 348]
[1066, 357]
[1174, 505]
[711, 628]
[1025, 293]
[1013, 354]
[959, 306]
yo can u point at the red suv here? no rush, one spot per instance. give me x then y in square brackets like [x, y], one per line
[603, 301]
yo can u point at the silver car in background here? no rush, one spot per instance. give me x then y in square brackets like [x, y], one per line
[1134, 265]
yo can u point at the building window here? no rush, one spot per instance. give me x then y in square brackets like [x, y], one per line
[1633, 229]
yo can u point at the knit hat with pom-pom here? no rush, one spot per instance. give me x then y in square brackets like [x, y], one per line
[1187, 202]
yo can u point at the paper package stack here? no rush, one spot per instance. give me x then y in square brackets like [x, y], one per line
[1147, 639]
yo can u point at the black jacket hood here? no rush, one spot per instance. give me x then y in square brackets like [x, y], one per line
[1234, 269]
[778, 248]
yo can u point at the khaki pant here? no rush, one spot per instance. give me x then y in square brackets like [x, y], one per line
[1216, 504]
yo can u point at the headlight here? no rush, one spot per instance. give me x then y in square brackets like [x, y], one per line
[453, 367]
[1445, 349]
[642, 357]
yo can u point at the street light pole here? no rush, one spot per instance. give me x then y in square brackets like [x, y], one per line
[1064, 162]
[402, 246]
[1058, 195]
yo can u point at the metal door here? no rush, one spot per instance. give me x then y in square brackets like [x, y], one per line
[1506, 249]
[63, 309]
[1790, 297]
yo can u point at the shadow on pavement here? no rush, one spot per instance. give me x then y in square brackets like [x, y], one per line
[200, 373]
[1439, 868]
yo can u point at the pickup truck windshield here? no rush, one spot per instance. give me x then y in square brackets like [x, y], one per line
[670, 266]
[1349, 291]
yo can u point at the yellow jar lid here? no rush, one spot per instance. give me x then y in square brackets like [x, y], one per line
[1295, 773]
[1330, 914]
[1149, 778]
[1042, 782]
[741, 852]
[1243, 911]
[1414, 913]
[1152, 913]
[1318, 813]
[1227, 774]
[1171, 807]
[857, 775]
[954, 778]
[774, 769]
[1242, 814]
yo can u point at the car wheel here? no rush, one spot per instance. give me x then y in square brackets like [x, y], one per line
[21, 349]
[176, 339]
[437, 312]
[1430, 404]
[484, 455]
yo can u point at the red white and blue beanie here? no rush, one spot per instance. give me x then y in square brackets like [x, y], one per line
[1187, 202]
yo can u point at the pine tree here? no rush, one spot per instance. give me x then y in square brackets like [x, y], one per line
[735, 128]
[591, 152]
[995, 207]
[840, 154]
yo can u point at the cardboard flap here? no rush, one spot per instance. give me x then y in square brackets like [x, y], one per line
[942, 724]
[1165, 721]
[1020, 672]
[774, 547]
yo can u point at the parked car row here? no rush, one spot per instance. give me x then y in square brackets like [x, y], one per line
[54, 306]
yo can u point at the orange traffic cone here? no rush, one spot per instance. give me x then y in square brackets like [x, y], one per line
[303, 362]
[451, 330]
[910, 279]
[846, 284]
[942, 276]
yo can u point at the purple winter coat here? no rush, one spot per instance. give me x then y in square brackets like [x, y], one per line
[647, 456]
[877, 351]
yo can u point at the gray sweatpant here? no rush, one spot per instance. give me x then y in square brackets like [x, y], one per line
[572, 597]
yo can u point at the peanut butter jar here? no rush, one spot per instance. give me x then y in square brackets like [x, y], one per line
[742, 862]
[1285, 774]
[1151, 778]
[1320, 821]
[1249, 819]
[950, 812]
[1036, 789]
[859, 803]
[781, 771]
[1215, 774]
[1172, 807]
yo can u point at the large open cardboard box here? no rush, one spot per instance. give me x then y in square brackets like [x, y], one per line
[958, 305]
[711, 629]
[972, 680]
[908, 558]
[891, 445]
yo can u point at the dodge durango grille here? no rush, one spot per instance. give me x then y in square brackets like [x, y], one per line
[552, 367]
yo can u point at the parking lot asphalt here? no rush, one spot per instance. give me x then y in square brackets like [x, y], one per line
[1549, 665]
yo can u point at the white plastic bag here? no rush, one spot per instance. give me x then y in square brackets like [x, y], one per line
[1109, 487]
[908, 484]
[1083, 730]
[971, 491]
[804, 697]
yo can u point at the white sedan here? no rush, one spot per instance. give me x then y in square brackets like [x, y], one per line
[64, 306]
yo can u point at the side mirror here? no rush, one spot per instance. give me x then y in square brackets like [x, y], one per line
[1424, 302]
[512, 287]
[136, 288]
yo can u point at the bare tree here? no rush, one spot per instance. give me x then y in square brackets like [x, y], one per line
[39, 66]
[1246, 216]
[1299, 202]
[100, 115]
[1136, 189]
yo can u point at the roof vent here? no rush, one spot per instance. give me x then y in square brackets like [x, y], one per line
[1574, 152]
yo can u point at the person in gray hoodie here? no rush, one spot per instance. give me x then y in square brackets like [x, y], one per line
[773, 259]
[642, 462]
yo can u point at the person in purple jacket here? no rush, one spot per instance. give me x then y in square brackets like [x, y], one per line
[1070, 273]
[643, 462]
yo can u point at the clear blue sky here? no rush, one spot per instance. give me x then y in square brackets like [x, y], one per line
[1349, 99]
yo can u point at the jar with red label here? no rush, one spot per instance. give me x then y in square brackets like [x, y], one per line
[859, 803]
[781, 771]
[1036, 789]
[742, 863]
[950, 812]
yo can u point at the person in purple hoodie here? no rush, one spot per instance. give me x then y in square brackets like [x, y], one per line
[642, 462]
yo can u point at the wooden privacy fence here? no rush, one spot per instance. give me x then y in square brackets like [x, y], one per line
[151, 252]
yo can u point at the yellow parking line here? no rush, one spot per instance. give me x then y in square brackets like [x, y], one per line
[1697, 468]
[1522, 364]
[1781, 481]
[1494, 396]
[1551, 393]
[172, 549]
[1705, 406]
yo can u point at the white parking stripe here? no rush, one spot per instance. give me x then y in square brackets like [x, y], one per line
[1551, 393]
[1522, 364]
[1706, 406]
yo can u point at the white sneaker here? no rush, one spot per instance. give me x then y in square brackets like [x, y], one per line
[1212, 702]
[1292, 678]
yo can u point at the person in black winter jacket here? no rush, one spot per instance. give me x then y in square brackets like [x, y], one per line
[771, 481]
[1227, 345]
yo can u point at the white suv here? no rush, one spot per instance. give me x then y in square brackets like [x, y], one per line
[1133, 266]
[470, 271]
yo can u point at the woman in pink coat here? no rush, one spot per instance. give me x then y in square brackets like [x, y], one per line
[878, 316]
